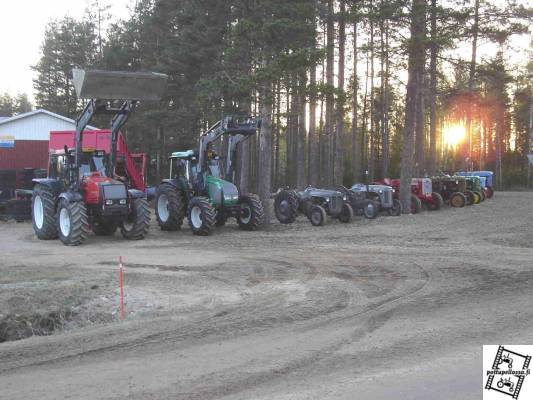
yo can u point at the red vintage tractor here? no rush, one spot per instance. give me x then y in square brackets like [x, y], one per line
[421, 194]
[82, 189]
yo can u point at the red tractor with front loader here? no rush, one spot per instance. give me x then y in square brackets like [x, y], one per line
[82, 190]
[421, 194]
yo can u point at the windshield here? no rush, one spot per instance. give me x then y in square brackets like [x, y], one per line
[94, 163]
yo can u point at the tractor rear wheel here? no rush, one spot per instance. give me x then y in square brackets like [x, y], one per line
[371, 209]
[104, 228]
[416, 204]
[43, 213]
[457, 200]
[317, 215]
[135, 227]
[286, 206]
[470, 198]
[72, 222]
[252, 214]
[477, 198]
[346, 214]
[169, 207]
[396, 209]
[489, 192]
[201, 215]
[481, 195]
[437, 202]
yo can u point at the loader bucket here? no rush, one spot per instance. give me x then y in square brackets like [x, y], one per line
[117, 85]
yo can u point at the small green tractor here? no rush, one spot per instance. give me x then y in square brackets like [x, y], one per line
[196, 187]
[473, 184]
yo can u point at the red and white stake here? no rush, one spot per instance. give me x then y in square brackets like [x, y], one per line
[121, 278]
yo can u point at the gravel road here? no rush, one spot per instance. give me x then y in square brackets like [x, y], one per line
[395, 308]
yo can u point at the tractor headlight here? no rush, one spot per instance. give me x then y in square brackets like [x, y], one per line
[122, 201]
[344, 198]
[327, 199]
[109, 202]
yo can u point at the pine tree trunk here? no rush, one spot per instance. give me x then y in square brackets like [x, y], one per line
[339, 132]
[301, 176]
[313, 161]
[356, 139]
[416, 65]
[432, 162]
[265, 150]
[372, 159]
[419, 126]
[330, 100]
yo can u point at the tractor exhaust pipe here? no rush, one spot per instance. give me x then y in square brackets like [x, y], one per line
[118, 85]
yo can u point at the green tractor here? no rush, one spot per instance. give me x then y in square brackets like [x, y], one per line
[473, 184]
[196, 187]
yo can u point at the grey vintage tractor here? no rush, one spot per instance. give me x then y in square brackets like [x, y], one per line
[381, 195]
[361, 202]
[314, 203]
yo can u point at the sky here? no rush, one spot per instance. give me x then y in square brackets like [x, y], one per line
[22, 25]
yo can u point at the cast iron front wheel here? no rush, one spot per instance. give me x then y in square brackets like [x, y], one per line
[317, 215]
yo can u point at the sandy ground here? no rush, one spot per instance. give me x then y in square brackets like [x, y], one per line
[396, 308]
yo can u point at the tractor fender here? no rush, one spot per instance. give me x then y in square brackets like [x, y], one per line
[136, 194]
[53, 184]
[71, 196]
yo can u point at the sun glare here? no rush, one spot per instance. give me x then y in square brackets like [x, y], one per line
[453, 134]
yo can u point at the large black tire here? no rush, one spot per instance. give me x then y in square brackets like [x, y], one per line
[416, 204]
[346, 214]
[317, 215]
[437, 202]
[72, 222]
[470, 198]
[170, 206]
[104, 228]
[201, 215]
[371, 209]
[286, 206]
[457, 199]
[252, 213]
[396, 209]
[45, 227]
[135, 227]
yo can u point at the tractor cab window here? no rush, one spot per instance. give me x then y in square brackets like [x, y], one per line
[214, 168]
[94, 162]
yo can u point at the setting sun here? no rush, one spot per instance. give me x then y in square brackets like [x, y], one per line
[453, 134]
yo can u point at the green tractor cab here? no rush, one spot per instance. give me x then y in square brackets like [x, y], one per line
[196, 187]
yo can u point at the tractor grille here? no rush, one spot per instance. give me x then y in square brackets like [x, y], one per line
[335, 205]
[426, 187]
[114, 192]
[387, 198]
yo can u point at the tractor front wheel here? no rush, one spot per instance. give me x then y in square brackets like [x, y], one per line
[371, 209]
[286, 206]
[43, 213]
[104, 228]
[457, 200]
[489, 192]
[72, 222]
[201, 215]
[317, 215]
[346, 214]
[396, 209]
[169, 207]
[416, 204]
[436, 203]
[251, 214]
[136, 225]
[481, 195]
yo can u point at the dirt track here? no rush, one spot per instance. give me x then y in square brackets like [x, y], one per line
[291, 312]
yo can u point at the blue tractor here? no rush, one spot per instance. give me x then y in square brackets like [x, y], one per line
[487, 186]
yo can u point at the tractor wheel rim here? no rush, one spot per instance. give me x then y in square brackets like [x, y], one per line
[369, 209]
[196, 217]
[38, 212]
[283, 207]
[162, 208]
[246, 213]
[64, 222]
